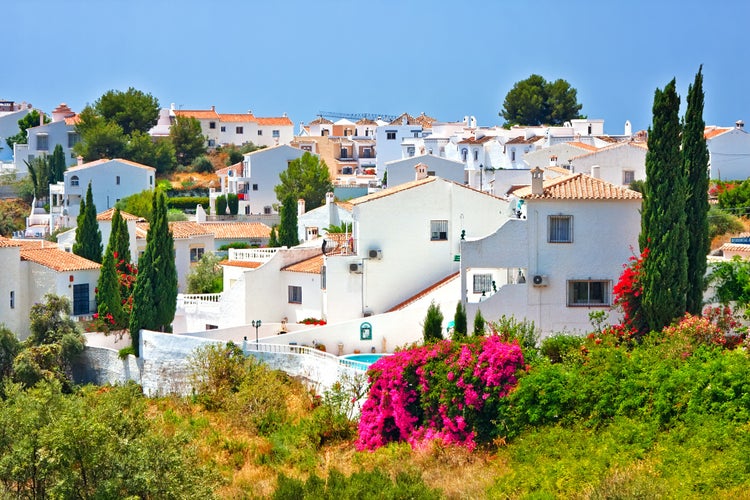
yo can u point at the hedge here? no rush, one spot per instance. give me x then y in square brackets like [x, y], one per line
[188, 202]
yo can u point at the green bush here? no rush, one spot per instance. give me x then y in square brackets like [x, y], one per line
[221, 205]
[560, 347]
[203, 165]
[234, 203]
[187, 202]
[365, 484]
[236, 244]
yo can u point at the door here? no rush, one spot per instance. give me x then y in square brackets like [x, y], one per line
[80, 299]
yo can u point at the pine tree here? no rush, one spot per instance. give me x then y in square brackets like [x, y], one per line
[663, 228]
[155, 292]
[288, 226]
[88, 242]
[459, 321]
[432, 330]
[479, 324]
[695, 165]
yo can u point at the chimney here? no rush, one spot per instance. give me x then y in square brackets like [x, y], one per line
[553, 161]
[329, 198]
[421, 171]
[80, 160]
[537, 181]
[213, 108]
[740, 124]
[300, 207]
[596, 171]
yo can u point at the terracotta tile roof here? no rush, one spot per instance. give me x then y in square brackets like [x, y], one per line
[72, 120]
[274, 120]
[582, 145]
[481, 140]
[238, 170]
[241, 263]
[310, 266]
[200, 114]
[36, 244]
[424, 292]
[186, 229]
[579, 187]
[57, 260]
[96, 163]
[735, 247]
[606, 138]
[6, 242]
[233, 230]
[141, 230]
[712, 131]
[110, 212]
[236, 117]
[389, 191]
[366, 121]
[521, 140]
[425, 121]
[322, 121]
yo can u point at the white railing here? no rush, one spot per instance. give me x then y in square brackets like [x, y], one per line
[252, 254]
[347, 364]
[198, 299]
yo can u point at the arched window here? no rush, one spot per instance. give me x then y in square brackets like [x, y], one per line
[476, 155]
[464, 153]
[74, 180]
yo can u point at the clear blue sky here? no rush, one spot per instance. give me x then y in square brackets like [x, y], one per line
[445, 58]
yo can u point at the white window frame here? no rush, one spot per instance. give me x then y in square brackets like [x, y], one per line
[589, 293]
[74, 181]
[42, 142]
[438, 230]
[560, 228]
[482, 282]
[196, 253]
[294, 294]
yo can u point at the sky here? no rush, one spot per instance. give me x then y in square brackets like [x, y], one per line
[448, 59]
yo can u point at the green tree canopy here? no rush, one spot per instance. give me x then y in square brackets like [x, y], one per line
[159, 153]
[207, 276]
[133, 110]
[28, 121]
[288, 226]
[39, 174]
[535, 101]
[88, 242]
[306, 177]
[188, 139]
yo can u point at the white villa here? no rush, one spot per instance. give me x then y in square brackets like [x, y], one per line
[728, 152]
[560, 262]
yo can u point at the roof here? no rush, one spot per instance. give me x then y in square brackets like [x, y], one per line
[481, 140]
[96, 163]
[238, 169]
[110, 212]
[735, 247]
[274, 120]
[205, 114]
[521, 140]
[35, 244]
[57, 260]
[322, 121]
[241, 263]
[310, 266]
[6, 242]
[579, 187]
[425, 292]
[187, 229]
[389, 191]
[72, 120]
[583, 145]
[423, 120]
[234, 230]
[712, 131]
[237, 117]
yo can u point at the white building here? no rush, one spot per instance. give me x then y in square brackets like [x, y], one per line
[254, 180]
[620, 164]
[42, 139]
[33, 269]
[110, 181]
[405, 169]
[315, 223]
[728, 152]
[10, 113]
[240, 128]
[559, 263]
[389, 138]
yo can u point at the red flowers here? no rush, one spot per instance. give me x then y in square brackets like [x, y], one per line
[627, 293]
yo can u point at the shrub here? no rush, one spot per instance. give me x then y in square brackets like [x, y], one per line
[559, 347]
[203, 164]
[221, 205]
[187, 202]
[234, 203]
[432, 329]
[364, 484]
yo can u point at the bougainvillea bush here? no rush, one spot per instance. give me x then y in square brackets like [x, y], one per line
[447, 390]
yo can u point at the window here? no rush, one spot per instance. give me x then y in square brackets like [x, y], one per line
[255, 187]
[415, 133]
[241, 130]
[275, 133]
[212, 125]
[74, 181]
[628, 176]
[410, 151]
[390, 135]
[117, 180]
[482, 283]
[260, 132]
[344, 153]
[73, 139]
[196, 254]
[513, 154]
[322, 277]
[560, 228]
[464, 153]
[211, 143]
[13, 299]
[223, 128]
[588, 293]
[438, 230]
[150, 180]
[476, 155]
[295, 294]
[42, 142]
[267, 210]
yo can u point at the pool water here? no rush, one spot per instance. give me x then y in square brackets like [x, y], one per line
[364, 360]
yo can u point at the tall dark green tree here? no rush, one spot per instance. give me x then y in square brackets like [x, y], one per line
[273, 240]
[306, 177]
[535, 101]
[88, 242]
[120, 239]
[479, 324]
[432, 329]
[288, 225]
[155, 292]
[695, 165]
[459, 321]
[57, 165]
[663, 219]
[108, 297]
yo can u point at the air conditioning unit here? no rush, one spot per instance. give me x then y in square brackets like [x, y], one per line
[355, 267]
[375, 254]
[540, 280]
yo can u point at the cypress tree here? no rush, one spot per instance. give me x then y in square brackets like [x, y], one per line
[155, 291]
[57, 165]
[288, 225]
[663, 220]
[479, 324]
[88, 242]
[432, 330]
[273, 240]
[695, 165]
[120, 240]
[108, 298]
[459, 322]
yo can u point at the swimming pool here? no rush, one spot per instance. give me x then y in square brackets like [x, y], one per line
[363, 361]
